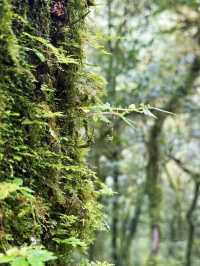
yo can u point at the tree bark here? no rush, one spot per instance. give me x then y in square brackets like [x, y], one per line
[115, 218]
[191, 230]
[41, 71]
[129, 230]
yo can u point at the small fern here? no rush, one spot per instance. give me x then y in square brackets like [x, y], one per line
[7, 188]
[59, 54]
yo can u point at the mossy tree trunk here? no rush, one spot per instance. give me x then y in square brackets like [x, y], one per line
[43, 85]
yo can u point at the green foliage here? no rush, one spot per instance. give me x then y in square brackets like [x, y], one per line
[72, 241]
[26, 256]
[6, 188]
[58, 53]
[101, 112]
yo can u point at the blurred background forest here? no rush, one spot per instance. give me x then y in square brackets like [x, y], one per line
[149, 54]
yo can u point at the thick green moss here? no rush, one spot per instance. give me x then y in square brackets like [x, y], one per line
[41, 63]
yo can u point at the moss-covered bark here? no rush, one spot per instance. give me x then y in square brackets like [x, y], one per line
[43, 86]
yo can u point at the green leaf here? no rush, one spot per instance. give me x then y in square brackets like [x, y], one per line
[127, 121]
[26, 256]
[39, 55]
[35, 261]
[8, 187]
[107, 191]
[58, 53]
[72, 241]
[5, 258]
[42, 255]
[20, 262]
[33, 122]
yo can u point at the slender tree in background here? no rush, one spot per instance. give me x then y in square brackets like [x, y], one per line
[167, 81]
[114, 65]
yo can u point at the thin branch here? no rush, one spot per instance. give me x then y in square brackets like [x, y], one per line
[191, 231]
[189, 216]
[185, 169]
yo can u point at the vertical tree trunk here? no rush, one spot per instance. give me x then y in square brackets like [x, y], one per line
[115, 157]
[41, 72]
[191, 230]
[130, 229]
[115, 217]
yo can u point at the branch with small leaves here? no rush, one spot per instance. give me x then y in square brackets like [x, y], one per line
[105, 110]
